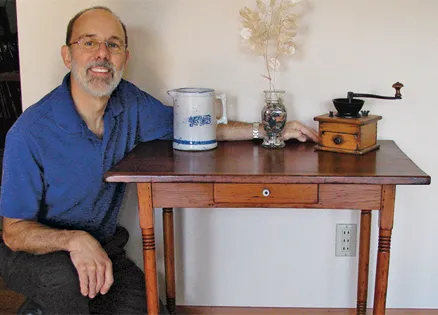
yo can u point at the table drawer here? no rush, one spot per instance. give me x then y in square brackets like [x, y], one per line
[344, 141]
[266, 193]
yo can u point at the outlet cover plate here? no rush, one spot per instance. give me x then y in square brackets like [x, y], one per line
[346, 235]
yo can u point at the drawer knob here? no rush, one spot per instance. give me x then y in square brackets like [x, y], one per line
[266, 192]
[337, 140]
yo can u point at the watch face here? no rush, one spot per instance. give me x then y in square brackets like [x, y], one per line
[255, 130]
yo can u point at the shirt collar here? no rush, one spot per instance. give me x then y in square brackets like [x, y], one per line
[64, 109]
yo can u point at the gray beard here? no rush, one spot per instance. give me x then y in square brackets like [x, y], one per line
[95, 86]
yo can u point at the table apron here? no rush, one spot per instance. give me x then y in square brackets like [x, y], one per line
[249, 195]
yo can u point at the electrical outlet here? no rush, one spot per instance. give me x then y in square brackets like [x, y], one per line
[346, 240]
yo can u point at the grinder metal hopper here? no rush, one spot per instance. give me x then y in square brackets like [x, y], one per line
[350, 107]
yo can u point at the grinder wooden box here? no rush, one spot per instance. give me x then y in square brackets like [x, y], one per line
[347, 135]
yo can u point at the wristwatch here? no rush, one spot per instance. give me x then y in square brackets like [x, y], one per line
[255, 130]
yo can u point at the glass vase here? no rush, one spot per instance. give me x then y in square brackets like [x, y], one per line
[274, 117]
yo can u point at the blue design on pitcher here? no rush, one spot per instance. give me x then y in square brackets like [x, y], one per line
[199, 120]
[190, 142]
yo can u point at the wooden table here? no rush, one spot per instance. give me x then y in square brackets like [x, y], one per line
[243, 174]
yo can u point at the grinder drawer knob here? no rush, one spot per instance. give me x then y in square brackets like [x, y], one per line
[337, 140]
[266, 192]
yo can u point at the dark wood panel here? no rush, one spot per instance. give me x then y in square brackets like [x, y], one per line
[247, 161]
[9, 76]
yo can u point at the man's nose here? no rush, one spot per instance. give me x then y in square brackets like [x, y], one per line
[103, 50]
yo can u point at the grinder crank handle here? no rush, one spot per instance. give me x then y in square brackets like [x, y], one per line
[397, 86]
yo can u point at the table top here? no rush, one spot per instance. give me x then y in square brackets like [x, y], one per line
[249, 162]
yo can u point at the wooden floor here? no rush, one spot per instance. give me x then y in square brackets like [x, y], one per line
[189, 310]
[11, 301]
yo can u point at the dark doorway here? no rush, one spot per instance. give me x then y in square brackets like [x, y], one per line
[10, 92]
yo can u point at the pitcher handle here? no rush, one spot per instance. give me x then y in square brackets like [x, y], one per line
[223, 98]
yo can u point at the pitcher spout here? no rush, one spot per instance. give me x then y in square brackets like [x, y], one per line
[172, 93]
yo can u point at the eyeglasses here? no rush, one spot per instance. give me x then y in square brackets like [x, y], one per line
[93, 44]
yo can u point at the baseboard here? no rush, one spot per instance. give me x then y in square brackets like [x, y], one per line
[222, 310]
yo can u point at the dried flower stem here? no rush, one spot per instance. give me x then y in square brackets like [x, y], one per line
[272, 23]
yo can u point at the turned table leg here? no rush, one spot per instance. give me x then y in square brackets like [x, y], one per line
[146, 216]
[364, 259]
[169, 259]
[386, 220]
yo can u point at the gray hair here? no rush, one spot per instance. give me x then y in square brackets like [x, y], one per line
[73, 20]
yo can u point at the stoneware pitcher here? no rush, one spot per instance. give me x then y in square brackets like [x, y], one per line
[194, 118]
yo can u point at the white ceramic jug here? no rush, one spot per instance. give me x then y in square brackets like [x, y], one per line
[194, 118]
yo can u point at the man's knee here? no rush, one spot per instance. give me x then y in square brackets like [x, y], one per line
[27, 273]
[58, 274]
[57, 287]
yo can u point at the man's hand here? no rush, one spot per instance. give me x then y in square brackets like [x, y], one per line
[296, 130]
[92, 263]
[94, 268]
[236, 130]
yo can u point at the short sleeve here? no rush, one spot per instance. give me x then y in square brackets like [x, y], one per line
[155, 120]
[22, 184]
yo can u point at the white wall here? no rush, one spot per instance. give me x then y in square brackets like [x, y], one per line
[234, 257]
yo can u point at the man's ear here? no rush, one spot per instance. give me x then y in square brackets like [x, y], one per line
[66, 56]
[127, 55]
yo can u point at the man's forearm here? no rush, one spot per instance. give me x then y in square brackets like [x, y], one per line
[236, 130]
[36, 238]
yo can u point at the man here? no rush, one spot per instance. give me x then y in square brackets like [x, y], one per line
[62, 247]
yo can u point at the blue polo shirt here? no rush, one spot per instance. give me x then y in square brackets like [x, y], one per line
[53, 164]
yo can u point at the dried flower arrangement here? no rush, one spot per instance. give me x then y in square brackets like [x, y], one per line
[268, 31]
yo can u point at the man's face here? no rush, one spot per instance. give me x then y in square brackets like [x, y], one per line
[97, 72]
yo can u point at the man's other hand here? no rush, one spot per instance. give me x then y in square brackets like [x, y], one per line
[92, 263]
[297, 130]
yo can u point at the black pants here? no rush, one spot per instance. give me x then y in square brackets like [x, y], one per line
[52, 281]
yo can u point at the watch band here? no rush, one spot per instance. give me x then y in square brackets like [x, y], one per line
[255, 130]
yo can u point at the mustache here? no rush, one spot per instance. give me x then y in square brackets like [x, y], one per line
[104, 64]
